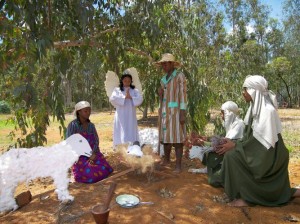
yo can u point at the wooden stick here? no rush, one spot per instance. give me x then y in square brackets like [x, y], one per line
[117, 175]
[162, 214]
[109, 195]
[159, 125]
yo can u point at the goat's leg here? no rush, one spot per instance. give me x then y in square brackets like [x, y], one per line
[62, 184]
[7, 200]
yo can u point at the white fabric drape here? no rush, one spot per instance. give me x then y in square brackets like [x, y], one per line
[266, 124]
[234, 126]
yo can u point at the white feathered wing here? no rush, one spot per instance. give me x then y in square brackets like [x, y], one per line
[111, 82]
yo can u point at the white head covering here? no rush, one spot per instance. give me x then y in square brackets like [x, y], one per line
[231, 106]
[80, 105]
[234, 126]
[266, 124]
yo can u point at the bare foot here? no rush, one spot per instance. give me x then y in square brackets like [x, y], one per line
[238, 203]
[165, 163]
[297, 193]
[177, 170]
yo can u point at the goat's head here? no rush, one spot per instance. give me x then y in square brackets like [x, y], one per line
[78, 144]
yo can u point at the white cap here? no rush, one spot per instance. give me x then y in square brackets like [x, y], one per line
[80, 105]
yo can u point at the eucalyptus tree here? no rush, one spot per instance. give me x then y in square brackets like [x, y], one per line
[249, 45]
[236, 15]
[275, 39]
[292, 44]
[259, 16]
[34, 63]
[279, 77]
[201, 42]
[56, 52]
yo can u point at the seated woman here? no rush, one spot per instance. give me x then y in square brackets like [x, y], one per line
[94, 168]
[233, 124]
[234, 127]
[255, 169]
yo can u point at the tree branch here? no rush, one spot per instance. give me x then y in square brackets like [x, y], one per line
[75, 43]
[91, 43]
[139, 52]
[111, 30]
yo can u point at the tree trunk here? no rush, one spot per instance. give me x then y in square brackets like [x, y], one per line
[145, 112]
[68, 92]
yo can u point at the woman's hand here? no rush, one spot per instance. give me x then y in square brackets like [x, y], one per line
[198, 142]
[182, 117]
[228, 145]
[92, 158]
[128, 94]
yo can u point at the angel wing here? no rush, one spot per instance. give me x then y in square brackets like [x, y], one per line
[135, 78]
[111, 81]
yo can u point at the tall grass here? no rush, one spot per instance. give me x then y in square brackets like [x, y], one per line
[6, 126]
[290, 119]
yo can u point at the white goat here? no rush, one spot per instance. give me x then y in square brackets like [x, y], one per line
[22, 165]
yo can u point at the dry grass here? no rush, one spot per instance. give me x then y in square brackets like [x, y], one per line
[290, 119]
[104, 124]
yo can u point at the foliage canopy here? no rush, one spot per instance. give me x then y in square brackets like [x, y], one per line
[56, 52]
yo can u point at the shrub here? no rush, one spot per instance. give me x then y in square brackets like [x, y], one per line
[4, 107]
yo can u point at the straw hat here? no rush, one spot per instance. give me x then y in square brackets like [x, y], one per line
[168, 58]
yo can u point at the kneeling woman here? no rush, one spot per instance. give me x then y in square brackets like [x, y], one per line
[94, 168]
[255, 169]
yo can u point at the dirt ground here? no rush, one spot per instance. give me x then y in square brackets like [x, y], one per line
[185, 198]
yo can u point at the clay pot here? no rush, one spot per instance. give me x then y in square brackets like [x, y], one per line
[23, 199]
[100, 214]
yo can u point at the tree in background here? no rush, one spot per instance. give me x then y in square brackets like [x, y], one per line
[56, 52]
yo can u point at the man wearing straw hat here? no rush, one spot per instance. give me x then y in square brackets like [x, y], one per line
[173, 102]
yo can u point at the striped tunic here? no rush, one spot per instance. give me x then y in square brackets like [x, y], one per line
[174, 100]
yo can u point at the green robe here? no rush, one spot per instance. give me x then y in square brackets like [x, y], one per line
[255, 174]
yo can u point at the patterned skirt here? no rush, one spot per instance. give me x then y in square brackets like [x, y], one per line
[84, 172]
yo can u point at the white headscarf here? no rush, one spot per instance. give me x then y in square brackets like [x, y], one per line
[80, 105]
[266, 124]
[234, 126]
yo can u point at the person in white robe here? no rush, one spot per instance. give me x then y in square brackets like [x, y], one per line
[125, 99]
